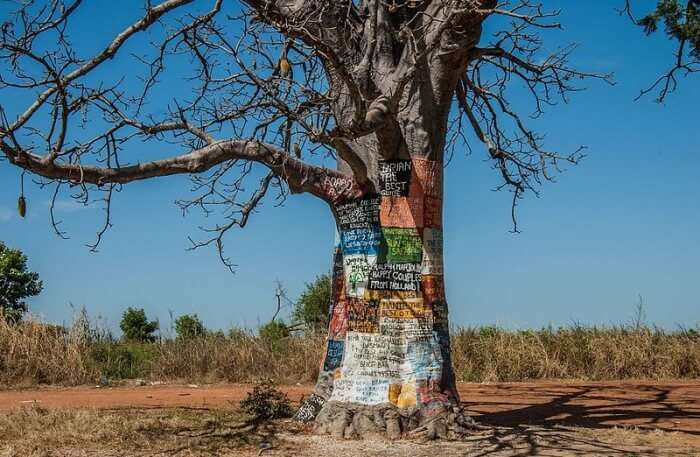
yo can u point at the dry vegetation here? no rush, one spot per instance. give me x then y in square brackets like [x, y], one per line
[575, 352]
[36, 353]
[38, 432]
[33, 353]
[41, 432]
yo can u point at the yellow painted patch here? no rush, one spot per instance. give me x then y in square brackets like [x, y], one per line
[411, 308]
[394, 392]
[403, 395]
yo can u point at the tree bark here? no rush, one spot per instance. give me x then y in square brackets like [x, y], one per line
[387, 368]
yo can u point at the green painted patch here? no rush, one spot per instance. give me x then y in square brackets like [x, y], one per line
[403, 245]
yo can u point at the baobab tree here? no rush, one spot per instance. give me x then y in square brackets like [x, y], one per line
[386, 88]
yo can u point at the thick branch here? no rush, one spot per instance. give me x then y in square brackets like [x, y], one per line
[300, 176]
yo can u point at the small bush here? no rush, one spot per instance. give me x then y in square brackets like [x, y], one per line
[137, 327]
[273, 331]
[189, 326]
[266, 402]
[116, 360]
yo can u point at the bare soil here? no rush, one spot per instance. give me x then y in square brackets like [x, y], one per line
[541, 418]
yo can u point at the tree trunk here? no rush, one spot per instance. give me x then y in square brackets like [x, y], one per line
[387, 367]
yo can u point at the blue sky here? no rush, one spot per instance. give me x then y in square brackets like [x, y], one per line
[622, 224]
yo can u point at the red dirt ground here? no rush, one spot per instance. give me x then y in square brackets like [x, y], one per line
[669, 406]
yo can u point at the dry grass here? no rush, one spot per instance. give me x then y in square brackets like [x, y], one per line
[36, 353]
[638, 436]
[37, 432]
[576, 352]
[239, 357]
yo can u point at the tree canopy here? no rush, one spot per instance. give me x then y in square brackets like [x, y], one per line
[17, 283]
[311, 309]
[280, 86]
[268, 91]
[189, 326]
[680, 21]
[136, 326]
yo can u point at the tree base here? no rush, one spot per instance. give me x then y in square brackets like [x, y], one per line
[358, 421]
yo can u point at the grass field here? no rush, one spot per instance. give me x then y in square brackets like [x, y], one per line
[37, 432]
[34, 353]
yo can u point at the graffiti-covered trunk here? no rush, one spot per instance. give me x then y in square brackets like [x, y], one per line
[387, 367]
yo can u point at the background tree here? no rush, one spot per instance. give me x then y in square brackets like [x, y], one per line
[189, 326]
[273, 332]
[680, 21]
[136, 326]
[311, 309]
[277, 89]
[16, 283]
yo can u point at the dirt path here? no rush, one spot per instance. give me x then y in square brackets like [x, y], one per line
[563, 419]
[667, 406]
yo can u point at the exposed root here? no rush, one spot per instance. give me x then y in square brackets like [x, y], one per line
[428, 422]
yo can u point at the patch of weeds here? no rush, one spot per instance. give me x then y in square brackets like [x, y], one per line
[117, 360]
[266, 402]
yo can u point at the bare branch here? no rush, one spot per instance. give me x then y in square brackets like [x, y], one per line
[682, 24]
[483, 95]
[300, 177]
[278, 84]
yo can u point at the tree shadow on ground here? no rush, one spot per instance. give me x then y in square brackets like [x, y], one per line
[593, 407]
[206, 431]
[558, 442]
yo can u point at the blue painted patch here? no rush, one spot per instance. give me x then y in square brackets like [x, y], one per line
[361, 241]
[334, 355]
[424, 359]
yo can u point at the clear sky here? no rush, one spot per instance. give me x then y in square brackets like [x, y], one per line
[624, 223]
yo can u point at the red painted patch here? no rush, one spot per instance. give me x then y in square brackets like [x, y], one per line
[433, 288]
[432, 212]
[402, 212]
[426, 179]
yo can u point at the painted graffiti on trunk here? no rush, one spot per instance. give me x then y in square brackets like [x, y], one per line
[361, 213]
[395, 177]
[432, 252]
[388, 338]
[402, 277]
[403, 212]
[403, 245]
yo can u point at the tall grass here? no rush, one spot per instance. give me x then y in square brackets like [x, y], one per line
[575, 352]
[239, 357]
[33, 352]
[36, 353]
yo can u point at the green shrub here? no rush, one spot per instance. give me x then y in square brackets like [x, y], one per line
[189, 326]
[137, 327]
[118, 360]
[266, 402]
[311, 310]
[273, 331]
